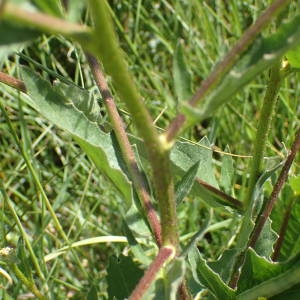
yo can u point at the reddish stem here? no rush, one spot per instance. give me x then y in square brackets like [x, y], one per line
[13, 82]
[128, 154]
[282, 232]
[228, 61]
[164, 254]
[275, 193]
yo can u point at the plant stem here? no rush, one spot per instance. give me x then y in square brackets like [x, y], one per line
[127, 151]
[265, 120]
[282, 231]
[164, 254]
[108, 52]
[30, 285]
[267, 209]
[228, 61]
[263, 129]
[13, 82]
[275, 193]
[44, 22]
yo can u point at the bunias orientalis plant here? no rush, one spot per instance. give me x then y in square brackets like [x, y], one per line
[250, 56]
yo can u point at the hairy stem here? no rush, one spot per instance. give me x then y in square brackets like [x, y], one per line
[282, 231]
[108, 52]
[265, 120]
[102, 43]
[275, 193]
[127, 151]
[263, 129]
[267, 208]
[164, 254]
[44, 22]
[228, 61]
[13, 82]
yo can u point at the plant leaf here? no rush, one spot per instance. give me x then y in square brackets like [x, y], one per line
[263, 53]
[60, 111]
[227, 172]
[293, 57]
[184, 186]
[185, 155]
[266, 240]
[122, 276]
[14, 36]
[136, 248]
[52, 7]
[181, 75]
[263, 278]
[211, 280]
[166, 286]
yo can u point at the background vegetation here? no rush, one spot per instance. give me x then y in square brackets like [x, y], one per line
[85, 201]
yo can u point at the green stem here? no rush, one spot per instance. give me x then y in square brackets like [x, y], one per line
[260, 143]
[46, 23]
[107, 50]
[30, 285]
[275, 193]
[263, 129]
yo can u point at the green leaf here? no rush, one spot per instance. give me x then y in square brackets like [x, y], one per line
[75, 10]
[136, 222]
[14, 36]
[184, 186]
[181, 75]
[227, 172]
[59, 110]
[291, 294]
[166, 286]
[295, 184]
[211, 280]
[122, 277]
[224, 265]
[266, 240]
[52, 7]
[262, 55]
[293, 57]
[261, 278]
[92, 293]
[135, 247]
[81, 99]
[24, 261]
[185, 155]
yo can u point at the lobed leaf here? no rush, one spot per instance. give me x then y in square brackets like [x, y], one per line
[262, 278]
[210, 279]
[122, 276]
[63, 113]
